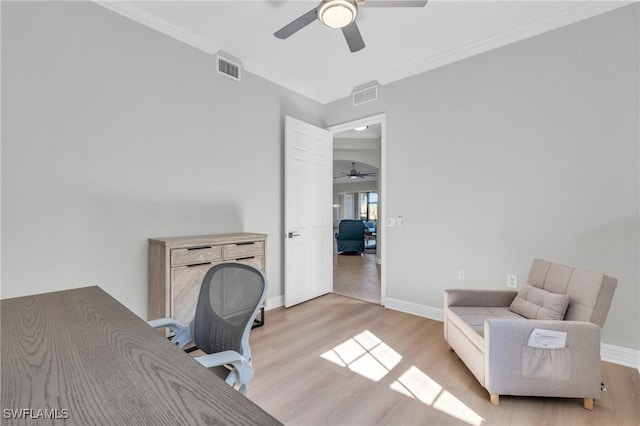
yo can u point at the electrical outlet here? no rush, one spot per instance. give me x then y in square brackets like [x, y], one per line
[512, 281]
[461, 275]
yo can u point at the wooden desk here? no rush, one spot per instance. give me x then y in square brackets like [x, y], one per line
[81, 354]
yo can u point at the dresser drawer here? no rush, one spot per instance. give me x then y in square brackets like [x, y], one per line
[235, 251]
[256, 261]
[192, 256]
[177, 266]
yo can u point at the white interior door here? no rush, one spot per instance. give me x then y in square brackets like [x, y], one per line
[308, 213]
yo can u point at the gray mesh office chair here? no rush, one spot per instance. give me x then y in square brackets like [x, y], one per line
[230, 297]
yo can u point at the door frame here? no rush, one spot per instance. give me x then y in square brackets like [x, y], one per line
[382, 189]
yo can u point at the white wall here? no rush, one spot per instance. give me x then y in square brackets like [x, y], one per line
[114, 133]
[531, 150]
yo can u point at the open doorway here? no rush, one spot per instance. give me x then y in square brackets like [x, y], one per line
[359, 197]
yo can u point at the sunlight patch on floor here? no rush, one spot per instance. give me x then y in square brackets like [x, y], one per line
[447, 403]
[365, 355]
[417, 385]
[368, 356]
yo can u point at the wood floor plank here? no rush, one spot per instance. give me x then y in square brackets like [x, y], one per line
[428, 386]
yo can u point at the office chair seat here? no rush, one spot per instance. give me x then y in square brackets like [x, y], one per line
[230, 298]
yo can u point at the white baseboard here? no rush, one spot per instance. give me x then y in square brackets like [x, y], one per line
[609, 353]
[414, 308]
[275, 302]
[620, 355]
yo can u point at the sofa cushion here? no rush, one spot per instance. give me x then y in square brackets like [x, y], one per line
[474, 317]
[537, 303]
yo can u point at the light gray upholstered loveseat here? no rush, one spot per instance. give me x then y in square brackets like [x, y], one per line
[492, 340]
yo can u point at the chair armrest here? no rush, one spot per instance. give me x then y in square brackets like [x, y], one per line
[182, 333]
[172, 324]
[507, 335]
[467, 297]
[505, 340]
[242, 366]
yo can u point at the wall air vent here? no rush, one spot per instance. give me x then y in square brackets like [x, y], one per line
[365, 94]
[228, 68]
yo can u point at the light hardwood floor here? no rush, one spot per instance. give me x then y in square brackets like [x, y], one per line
[337, 360]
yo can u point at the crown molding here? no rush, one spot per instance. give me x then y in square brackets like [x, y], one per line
[295, 86]
[130, 11]
[575, 14]
[567, 17]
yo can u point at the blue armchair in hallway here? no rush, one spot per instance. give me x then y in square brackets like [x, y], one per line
[350, 236]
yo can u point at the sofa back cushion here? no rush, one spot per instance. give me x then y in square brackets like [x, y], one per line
[590, 293]
[537, 303]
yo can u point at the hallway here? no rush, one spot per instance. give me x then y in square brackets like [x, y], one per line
[357, 276]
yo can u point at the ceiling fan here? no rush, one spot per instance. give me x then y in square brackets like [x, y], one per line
[354, 174]
[342, 14]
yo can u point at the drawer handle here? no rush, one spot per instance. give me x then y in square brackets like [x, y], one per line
[199, 248]
[245, 258]
[245, 244]
[198, 264]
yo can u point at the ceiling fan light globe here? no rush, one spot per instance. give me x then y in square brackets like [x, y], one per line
[337, 13]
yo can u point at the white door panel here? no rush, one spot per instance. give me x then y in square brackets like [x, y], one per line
[308, 221]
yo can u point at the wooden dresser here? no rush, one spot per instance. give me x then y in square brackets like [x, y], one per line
[177, 266]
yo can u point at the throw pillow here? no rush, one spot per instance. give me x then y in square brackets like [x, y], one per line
[537, 303]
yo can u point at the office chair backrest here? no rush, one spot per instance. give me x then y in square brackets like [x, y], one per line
[230, 298]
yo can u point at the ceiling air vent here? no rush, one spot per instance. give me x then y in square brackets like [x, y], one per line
[365, 94]
[228, 68]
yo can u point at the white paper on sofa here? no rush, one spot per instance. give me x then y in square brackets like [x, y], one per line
[547, 339]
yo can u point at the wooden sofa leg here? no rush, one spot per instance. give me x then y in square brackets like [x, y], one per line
[495, 399]
[588, 404]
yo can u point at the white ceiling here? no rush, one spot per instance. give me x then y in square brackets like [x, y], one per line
[316, 62]
[356, 145]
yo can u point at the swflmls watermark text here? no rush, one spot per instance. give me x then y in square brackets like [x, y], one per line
[35, 414]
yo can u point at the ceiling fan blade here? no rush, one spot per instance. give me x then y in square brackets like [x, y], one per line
[395, 3]
[297, 24]
[353, 37]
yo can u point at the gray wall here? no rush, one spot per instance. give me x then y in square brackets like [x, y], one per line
[527, 151]
[113, 133]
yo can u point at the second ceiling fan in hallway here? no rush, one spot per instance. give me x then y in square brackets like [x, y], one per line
[354, 174]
